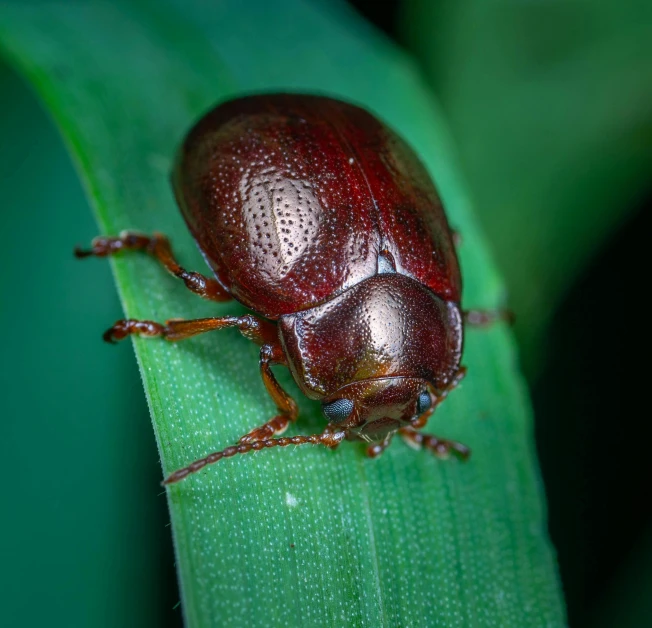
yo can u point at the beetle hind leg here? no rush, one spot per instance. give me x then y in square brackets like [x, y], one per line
[158, 246]
[486, 318]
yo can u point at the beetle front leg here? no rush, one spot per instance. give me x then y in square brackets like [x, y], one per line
[158, 246]
[273, 354]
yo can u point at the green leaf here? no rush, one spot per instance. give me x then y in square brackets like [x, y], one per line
[550, 105]
[309, 536]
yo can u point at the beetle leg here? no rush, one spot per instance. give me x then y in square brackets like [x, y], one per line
[486, 318]
[273, 354]
[251, 327]
[157, 246]
[440, 447]
[327, 438]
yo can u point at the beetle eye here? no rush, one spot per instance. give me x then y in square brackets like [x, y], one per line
[423, 402]
[338, 410]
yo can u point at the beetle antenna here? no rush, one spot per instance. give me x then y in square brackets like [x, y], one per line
[329, 439]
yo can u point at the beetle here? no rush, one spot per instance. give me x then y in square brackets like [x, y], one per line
[323, 221]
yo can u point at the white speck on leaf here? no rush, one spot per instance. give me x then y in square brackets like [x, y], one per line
[291, 501]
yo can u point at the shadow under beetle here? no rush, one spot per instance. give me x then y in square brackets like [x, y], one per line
[320, 219]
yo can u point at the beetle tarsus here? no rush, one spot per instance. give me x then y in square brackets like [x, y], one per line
[127, 327]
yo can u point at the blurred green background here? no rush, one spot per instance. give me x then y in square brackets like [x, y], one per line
[94, 549]
[550, 104]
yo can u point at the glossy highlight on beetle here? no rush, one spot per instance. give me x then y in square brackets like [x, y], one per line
[322, 221]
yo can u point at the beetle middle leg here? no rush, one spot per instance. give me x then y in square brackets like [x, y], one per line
[157, 246]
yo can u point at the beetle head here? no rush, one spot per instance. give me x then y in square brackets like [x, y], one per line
[372, 409]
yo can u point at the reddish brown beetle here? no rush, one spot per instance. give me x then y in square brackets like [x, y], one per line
[322, 220]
